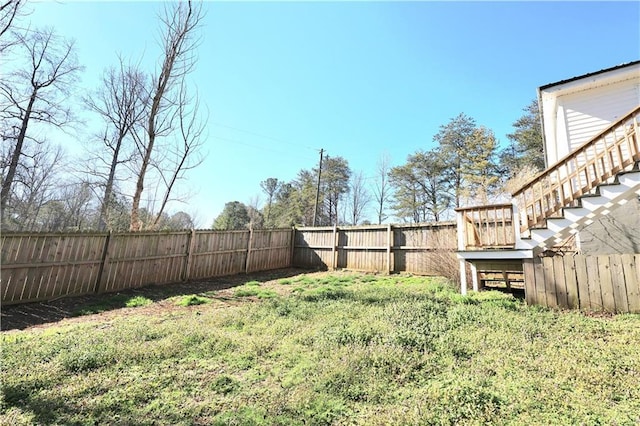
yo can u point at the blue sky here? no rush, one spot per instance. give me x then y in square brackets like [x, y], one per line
[282, 80]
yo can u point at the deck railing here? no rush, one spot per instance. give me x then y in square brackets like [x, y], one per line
[486, 227]
[612, 151]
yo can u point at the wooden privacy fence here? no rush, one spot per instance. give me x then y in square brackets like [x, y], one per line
[44, 266]
[417, 248]
[609, 283]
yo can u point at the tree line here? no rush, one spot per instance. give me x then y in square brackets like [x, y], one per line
[466, 167]
[150, 132]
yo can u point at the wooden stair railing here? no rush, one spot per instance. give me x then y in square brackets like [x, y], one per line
[612, 151]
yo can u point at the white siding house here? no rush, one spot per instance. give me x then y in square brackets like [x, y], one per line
[575, 110]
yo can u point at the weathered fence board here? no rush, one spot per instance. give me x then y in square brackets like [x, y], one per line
[218, 254]
[269, 249]
[419, 248]
[584, 296]
[631, 270]
[41, 266]
[136, 260]
[609, 283]
[314, 247]
[531, 295]
[63, 264]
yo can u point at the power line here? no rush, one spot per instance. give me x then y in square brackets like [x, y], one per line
[260, 135]
[235, 141]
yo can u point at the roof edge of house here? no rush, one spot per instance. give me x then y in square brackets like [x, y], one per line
[579, 77]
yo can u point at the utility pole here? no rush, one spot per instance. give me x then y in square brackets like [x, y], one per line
[315, 208]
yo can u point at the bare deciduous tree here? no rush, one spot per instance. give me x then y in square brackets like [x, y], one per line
[121, 102]
[35, 184]
[179, 25]
[185, 154]
[35, 93]
[381, 187]
[9, 11]
[359, 197]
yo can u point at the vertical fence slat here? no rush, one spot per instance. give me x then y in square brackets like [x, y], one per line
[593, 279]
[618, 284]
[529, 282]
[570, 282]
[604, 269]
[632, 279]
[582, 281]
[560, 281]
[541, 288]
[550, 283]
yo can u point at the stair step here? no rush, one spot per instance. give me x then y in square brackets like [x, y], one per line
[629, 179]
[604, 198]
[575, 214]
[540, 235]
[611, 191]
[595, 202]
[557, 224]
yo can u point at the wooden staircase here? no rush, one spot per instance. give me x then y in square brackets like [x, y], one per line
[586, 184]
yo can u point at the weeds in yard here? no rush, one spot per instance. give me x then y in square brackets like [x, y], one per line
[113, 302]
[255, 292]
[339, 349]
[192, 300]
[136, 301]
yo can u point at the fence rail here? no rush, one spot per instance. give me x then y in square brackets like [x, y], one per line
[45, 266]
[418, 248]
[609, 283]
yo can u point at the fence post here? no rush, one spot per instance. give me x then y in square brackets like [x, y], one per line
[248, 260]
[334, 256]
[190, 245]
[97, 288]
[389, 244]
[293, 246]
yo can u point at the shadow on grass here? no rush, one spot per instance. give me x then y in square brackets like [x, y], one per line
[517, 293]
[19, 317]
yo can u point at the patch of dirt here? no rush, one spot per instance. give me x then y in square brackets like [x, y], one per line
[44, 314]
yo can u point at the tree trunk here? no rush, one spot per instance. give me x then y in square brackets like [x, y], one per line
[135, 224]
[109, 186]
[15, 157]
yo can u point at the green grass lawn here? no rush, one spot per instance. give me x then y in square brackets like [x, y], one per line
[326, 349]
